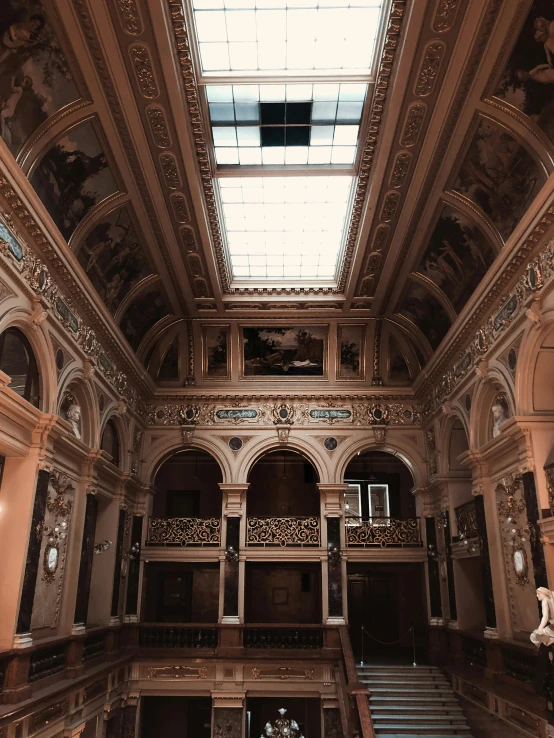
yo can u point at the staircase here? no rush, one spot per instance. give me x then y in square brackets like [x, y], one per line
[407, 701]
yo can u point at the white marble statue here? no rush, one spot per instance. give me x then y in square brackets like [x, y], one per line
[73, 415]
[499, 414]
[545, 632]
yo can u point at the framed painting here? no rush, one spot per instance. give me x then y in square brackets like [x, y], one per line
[284, 351]
[351, 350]
[215, 363]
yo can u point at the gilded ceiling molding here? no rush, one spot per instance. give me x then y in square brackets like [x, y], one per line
[179, 205]
[413, 124]
[547, 150]
[158, 126]
[478, 340]
[400, 169]
[132, 26]
[198, 127]
[170, 171]
[377, 380]
[142, 64]
[468, 76]
[468, 207]
[430, 68]
[445, 15]
[129, 17]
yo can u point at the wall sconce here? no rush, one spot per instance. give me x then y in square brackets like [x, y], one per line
[431, 552]
[57, 533]
[134, 551]
[231, 554]
[102, 546]
[334, 556]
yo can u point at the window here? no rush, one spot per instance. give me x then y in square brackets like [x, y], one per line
[378, 500]
[110, 441]
[363, 500]
[352, 504]
[18, 362]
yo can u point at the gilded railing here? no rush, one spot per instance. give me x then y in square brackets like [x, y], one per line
[383, 532]
[466, 519]
[282, 531]
[184, 531]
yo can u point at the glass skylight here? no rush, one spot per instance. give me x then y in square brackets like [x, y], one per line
[281, 227]
[286, 124]
[286, 35]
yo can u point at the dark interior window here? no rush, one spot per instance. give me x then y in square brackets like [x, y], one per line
[110, 441]
[18, 362]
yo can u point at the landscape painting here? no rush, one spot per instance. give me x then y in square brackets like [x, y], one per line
[35, 81]
[72, 177]
[527, 81]
[499, 175]
[426, 312]
[457, 256]
[143, 313]
[113, 257]
[350, 341]
[284, 352]
[216, 351]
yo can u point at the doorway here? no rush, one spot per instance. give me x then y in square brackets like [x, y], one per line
[263, 710]
[181, 717]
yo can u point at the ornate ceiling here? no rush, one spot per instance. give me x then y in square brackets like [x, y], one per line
[101, 108]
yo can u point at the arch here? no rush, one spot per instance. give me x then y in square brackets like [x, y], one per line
[534, 343]
[110, 440]
[42, 350]
[404, 450]
[456, 421]
[163, 449]
[294, 443]
[90, 419]
[17, 360]
[480, 420]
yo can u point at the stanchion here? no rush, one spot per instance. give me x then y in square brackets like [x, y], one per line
[362, 661]
[413, 645]
[390, 643]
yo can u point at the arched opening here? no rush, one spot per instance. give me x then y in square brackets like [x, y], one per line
[110, 441]
[186, 511]
[283, 508]
[17, 360]
[384, 598]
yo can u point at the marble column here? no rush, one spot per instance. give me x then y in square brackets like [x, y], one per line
[87, 554]
[228, 719]
[333, 565]
[232, 563]
[435, 602]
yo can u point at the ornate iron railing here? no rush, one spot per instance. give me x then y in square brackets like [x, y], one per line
[184, 532]
[176, 636]
[383, 532]
[291, 531]
[283, 638]
[466, 520]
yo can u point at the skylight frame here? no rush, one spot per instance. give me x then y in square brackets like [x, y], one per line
[205, 79]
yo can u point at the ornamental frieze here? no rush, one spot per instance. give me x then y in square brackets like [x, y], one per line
[516, 305]
[206, 412]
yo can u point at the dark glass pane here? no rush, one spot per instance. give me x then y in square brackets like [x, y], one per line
[110, 442]
[272, 113]
[273, 136]
[298, 136]
[300, 112]
[18, 362]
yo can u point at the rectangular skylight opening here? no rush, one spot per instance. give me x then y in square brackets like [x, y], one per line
[285, 227]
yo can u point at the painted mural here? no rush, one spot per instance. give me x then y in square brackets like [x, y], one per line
[169, 369]
[143, 313]
[499, 175]
[423, 309]
[457, 256]
[113, 257]
[72, 177]
[35, 80]
[398, 368]
[284, 352]
[216, 343]
[351, 347]
[527, 81]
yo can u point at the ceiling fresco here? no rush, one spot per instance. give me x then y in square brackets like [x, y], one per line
[177, 215]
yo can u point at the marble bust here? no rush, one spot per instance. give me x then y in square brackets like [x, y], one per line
[544, 634]
[499, 415]
[73, 416]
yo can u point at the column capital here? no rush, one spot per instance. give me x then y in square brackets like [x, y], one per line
[233, 498]
[332, 499]
[234, 486]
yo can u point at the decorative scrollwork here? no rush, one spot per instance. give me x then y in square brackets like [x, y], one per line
[184, 531]
[466, 520]
[384, 532]
[282, 531]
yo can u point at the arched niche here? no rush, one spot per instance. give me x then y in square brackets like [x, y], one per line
[77, 407]
[541, 379]
[493, 406]
[110, 441]
[458, 444]
[300, 444]
[283, 483]
[380, 486]
[17, 360]
[187, 486]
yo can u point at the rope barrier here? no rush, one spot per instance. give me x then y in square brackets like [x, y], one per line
[390, 643]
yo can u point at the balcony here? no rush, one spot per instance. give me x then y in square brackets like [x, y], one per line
[383, 532]
[184, 532]
[283, 531]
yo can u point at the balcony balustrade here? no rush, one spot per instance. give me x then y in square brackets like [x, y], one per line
[283, 637]
[178, 636]
[282, 531]
[383, 532]
[184, 532]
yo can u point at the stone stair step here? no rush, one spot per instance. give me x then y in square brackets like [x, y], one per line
[416, 735]
[451, 709]
[401, 729]
[408, 690]
[449, 718]
[417, 682]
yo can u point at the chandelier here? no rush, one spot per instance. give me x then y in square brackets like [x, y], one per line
[282, 727]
